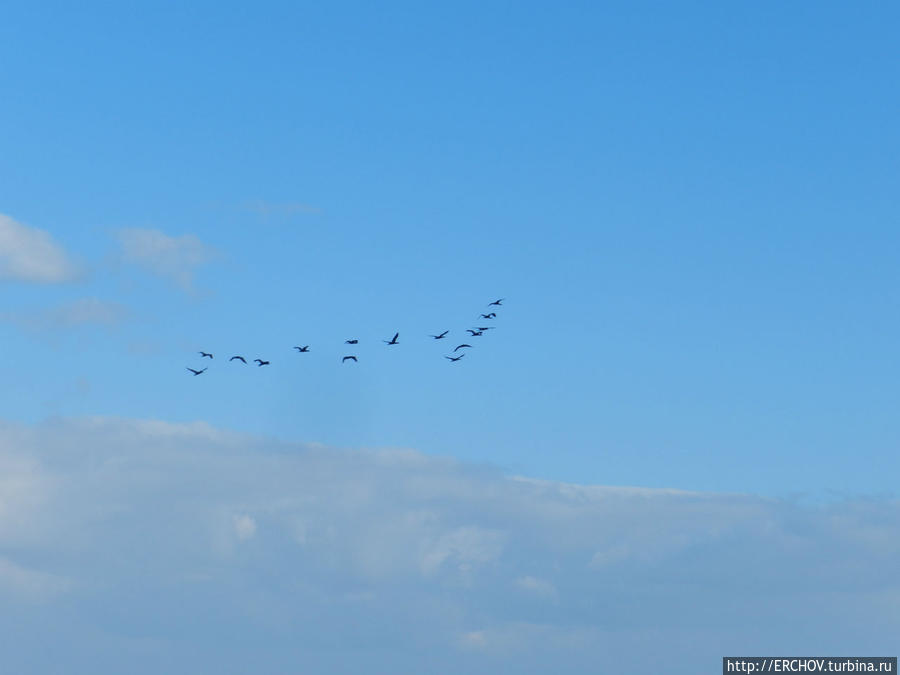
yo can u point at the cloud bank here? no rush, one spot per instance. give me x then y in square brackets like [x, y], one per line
[185, 548]
[32, 255]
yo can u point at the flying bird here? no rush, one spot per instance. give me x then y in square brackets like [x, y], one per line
[350, 342]
[455, 358]
[304, 348]
[497, 302]
[207, 354]
[475, 333]
[486, 328]
[441, 336]
[238, 358]
[196, 372]
[461, 346]
[492, 315]
[349, 358]
[393, 340]
[260, 363]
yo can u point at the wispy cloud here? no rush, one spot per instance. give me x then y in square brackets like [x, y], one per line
[30, 254]
[29, 584]
[376, 561]
[264, 208]
[175, 258]
[81, 312]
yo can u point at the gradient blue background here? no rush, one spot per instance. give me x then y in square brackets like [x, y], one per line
[692, 209]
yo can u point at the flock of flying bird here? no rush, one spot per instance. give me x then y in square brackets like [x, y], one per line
[474, 332]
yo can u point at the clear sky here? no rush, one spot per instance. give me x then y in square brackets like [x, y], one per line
[691, 210]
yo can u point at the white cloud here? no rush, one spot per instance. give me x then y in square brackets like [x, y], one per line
[173, 258]
[30, 254]
[378, 561]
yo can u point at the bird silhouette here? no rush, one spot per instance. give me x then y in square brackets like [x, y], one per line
[393, 340]
[482, 328]
[304, 348]
[260, 363]
[207, 354]
[350, 342]
[238, 358]
[497, 302]
[455, 358]
[475, 333]
[461, 346]
[348, 358]
[492, 315]
[441, 336]
[196, 372]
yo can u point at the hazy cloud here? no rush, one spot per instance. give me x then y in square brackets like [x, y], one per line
[536, 586]
[81, 312]
[173, 258]
[244, 527]
[231, 552]
[30, 254]
[22, 583]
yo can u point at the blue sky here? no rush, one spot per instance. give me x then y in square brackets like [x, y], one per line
[690, 209]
